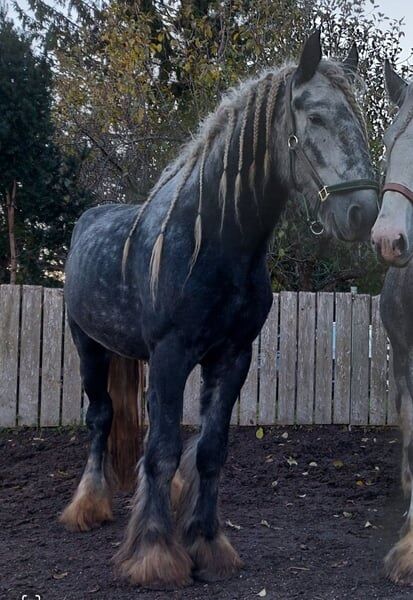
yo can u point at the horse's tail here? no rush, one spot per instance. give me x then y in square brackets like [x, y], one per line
[126, 388]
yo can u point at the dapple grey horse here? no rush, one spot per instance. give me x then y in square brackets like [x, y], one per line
[183, 280]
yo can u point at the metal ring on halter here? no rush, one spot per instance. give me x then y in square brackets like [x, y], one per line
[316, 228]
[292, 142]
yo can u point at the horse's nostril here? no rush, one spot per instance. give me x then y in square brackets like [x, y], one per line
[400, 245]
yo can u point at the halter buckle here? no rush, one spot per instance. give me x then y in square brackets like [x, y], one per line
[292, 142]
[323, 193]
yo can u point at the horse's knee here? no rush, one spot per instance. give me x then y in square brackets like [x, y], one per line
[161, 461]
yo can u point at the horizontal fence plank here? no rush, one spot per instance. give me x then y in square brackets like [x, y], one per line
[29, 375]
[9, 352]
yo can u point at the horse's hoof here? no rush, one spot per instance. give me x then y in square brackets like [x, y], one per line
[215, 559]
[90, 507]
[398, 564]
[157, 566]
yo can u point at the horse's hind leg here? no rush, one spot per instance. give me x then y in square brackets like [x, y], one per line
[91, 504]
[151, 554]
[399, 561]
[198, 521]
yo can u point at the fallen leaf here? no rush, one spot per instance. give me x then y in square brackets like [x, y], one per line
[291, 461]
[367, 524]
[274, 484]
[230, 524]
[360, 483]
[338, 464]
[262, 593]
[60, 575]
[259, 434]
[284, 435]
[348, 515]
[302, 495]
[265, 523]
[94, 589]
[313, 464]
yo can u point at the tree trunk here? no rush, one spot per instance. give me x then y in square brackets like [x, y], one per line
[11, 205]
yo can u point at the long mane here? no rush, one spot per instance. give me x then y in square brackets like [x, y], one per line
[238, 108]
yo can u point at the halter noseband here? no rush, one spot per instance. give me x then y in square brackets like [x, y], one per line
[324, 191]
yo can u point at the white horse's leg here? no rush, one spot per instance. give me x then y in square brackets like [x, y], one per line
[399, 561]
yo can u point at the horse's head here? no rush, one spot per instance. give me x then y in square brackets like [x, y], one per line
[329, 154]
[392, 234]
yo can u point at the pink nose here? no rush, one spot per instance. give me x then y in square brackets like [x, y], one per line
[389, 245]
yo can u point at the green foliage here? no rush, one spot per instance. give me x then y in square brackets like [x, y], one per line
[47, 200]
[134, 78]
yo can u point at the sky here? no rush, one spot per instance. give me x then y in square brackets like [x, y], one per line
[397, 9]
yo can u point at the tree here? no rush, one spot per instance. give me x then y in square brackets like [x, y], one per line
[39, 195]
[135, 77]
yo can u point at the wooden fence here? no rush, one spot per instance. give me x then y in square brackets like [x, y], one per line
[320, 358]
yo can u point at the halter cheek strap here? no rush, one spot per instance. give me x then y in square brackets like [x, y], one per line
[324, 191]
[400, 188]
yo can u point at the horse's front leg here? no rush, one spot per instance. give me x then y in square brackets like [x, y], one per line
[151, 555]
[198, 522]
[399, 561]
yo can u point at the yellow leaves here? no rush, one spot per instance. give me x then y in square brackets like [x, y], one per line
[259, 434]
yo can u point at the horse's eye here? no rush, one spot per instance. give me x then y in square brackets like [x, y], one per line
[316, 119]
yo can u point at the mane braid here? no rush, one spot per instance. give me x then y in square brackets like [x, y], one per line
[156, 256]
[262, 88]
[168, 174]
[238, 179]
[223, 184]
[198, 220]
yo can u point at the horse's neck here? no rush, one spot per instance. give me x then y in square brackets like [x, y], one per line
[249, 221]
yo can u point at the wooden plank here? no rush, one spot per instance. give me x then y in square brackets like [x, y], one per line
[191, 398]
[359, 401]
[288, 358]
[29, 375]
[324, 359]
[9, 352]
[267, 402]
[249, 392]
[72, 385]
[235, 414]
[342, 359]
[305, 358]
[392, 416]
[378, 366]
[51, 384]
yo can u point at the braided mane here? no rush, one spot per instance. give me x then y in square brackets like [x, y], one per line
[242, 105]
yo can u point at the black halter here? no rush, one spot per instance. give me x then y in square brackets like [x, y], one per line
[324, 191]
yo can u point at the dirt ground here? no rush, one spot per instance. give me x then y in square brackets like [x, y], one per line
[312, 512]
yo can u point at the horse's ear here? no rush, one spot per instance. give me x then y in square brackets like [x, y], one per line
[351, 63]
[396, 86]
[310, 58]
